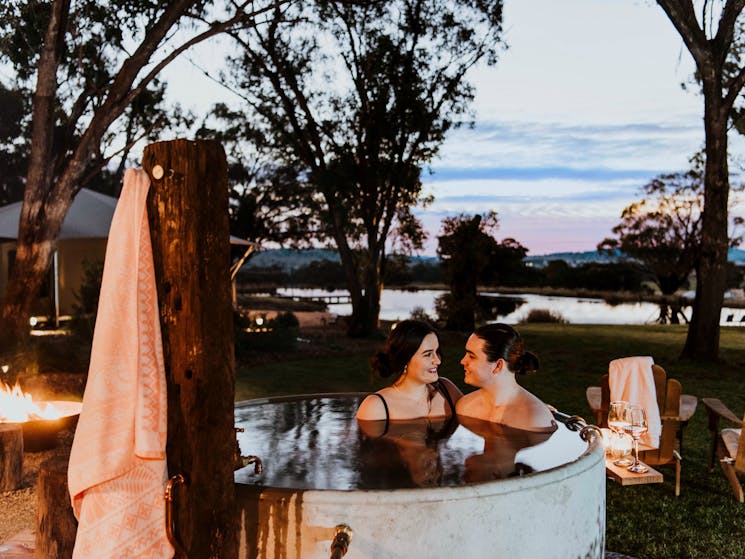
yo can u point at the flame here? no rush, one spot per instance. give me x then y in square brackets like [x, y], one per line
[17, 406]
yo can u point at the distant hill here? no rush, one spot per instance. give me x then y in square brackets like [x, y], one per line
[571, 258]
[578, 258]
[288, 259]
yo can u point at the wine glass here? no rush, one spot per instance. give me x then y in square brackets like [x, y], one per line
[636, 426]
[616, 422]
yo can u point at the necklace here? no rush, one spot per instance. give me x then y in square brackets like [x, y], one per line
[427, 400]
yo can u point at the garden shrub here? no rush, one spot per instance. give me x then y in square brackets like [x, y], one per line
[543, 315]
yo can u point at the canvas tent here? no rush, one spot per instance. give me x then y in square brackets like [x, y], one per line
[82, 239]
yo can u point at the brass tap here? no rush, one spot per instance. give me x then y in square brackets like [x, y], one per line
[244, 461]
[340, 544]
[240, 461]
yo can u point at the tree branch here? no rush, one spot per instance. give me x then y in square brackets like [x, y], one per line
[683, 18]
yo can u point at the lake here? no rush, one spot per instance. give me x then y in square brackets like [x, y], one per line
[398, 304]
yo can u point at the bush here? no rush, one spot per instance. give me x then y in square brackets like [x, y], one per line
[86, 307]
[281, 334]
[285, 320]
[543, 315]
[418, 313]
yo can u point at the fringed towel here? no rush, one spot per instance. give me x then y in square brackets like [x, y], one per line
[631, 379]
[117, 469]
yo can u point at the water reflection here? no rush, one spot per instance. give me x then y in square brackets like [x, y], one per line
[316, 443]
[493, 306]
[501, 446]
[397, 305]
[396, 454]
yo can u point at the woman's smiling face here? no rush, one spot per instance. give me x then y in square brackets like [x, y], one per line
[423, 364]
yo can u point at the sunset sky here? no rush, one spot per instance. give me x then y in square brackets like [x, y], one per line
[582, 109]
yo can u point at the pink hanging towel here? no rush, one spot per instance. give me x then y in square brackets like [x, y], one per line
[117, 471]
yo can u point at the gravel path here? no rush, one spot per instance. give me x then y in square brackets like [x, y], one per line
[19, 507]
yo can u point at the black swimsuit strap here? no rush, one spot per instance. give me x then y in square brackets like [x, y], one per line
[446, 394]
[387, 413]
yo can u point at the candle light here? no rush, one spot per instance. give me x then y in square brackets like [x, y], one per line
[620, 445]
[607, 435]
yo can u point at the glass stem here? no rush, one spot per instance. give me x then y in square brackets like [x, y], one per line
[636, 451]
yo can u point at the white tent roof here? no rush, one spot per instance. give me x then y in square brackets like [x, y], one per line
[89, 217]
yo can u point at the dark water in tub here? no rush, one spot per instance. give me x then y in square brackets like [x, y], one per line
[316, 443]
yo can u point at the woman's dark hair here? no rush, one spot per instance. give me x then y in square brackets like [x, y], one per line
[402, 343]
[504, 342]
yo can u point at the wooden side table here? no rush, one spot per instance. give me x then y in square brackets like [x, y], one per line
[621, 475]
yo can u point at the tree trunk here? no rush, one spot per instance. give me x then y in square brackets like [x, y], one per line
[365, 294]
[11, 456]
[188, 212]
[702, 342]
[56, 526]
[53, 179]
[38, 226]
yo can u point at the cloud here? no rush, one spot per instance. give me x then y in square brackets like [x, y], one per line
[555, 185]
[654, 147]
[541, 173]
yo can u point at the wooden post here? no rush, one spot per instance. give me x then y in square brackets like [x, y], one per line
[55, 522]
[188, 211]
[11, 456]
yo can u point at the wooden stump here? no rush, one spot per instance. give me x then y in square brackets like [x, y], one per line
[55, 522]
[11, 456]
[188, 213]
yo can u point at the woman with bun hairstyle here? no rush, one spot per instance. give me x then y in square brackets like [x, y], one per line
[494, 356]
[410, 358]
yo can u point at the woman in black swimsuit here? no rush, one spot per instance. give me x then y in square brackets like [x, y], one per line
[411, 357]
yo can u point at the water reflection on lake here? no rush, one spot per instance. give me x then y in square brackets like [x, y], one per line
[398, 304]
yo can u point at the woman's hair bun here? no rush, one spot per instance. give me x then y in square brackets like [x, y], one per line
[381, 364]
[526, 363]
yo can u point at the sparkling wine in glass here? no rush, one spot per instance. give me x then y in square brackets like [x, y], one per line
[636, 426]
[617, 422]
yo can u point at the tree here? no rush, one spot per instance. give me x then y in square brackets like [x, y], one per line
[506, 262]
[13, 146]
[663, 230]
[86, 63]
[722, 76]
[361, 95]
[267, 202]
[471, 256]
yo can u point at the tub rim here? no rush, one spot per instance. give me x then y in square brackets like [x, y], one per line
[590, 458]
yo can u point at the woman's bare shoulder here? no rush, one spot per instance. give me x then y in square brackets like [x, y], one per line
[371, 408]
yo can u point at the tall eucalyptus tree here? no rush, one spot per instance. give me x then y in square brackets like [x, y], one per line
[84, 63]
[360, 96]
[711, 36]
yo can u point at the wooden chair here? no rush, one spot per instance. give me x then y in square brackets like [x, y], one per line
[669, 401]
[727, 444]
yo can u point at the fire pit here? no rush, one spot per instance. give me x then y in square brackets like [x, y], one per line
[41, 421]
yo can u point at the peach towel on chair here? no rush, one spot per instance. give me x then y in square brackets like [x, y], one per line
[631, 379]
[117, 469]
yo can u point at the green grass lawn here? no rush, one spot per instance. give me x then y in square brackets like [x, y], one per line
[647, 522]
